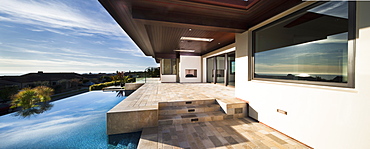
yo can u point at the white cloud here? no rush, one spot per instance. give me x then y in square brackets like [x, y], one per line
[133, 52]
[66, 53]
[71, 65]
[41, 41]
[51, 15]
[312, 54]
[65, 67]
[297, 68]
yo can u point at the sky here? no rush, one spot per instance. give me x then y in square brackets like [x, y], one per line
[64, 36]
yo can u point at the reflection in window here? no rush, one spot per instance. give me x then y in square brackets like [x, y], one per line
[169, 67]
[231, 67]
[220, 74]
[190, 73]
[310, 46]
[210, 68]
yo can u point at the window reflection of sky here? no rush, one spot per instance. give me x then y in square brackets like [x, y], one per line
[319, 57]
[327, 56]
[336, 9]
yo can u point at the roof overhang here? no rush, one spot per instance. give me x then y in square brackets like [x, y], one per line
[156, 26]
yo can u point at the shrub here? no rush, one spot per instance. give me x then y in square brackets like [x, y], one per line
[28, 98]
[101, 85]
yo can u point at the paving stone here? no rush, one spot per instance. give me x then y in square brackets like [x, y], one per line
[215, 141]
[276, 139]
[228, 132]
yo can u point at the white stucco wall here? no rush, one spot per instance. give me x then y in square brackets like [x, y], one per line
[190, 62]
[319, 116]
[168, 78]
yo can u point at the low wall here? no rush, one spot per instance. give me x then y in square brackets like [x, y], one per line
[131, 87]
[123, 118]
[131, 121]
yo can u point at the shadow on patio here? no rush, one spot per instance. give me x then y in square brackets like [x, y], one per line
[232, 133]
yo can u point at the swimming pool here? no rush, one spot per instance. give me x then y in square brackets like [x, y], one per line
[75, 122]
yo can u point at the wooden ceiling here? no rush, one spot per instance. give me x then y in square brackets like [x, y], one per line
[156, 26]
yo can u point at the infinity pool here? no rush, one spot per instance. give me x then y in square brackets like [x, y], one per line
[75, 122]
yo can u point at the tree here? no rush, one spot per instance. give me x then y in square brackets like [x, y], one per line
[7, 92]
[121, 78]
[33, 100]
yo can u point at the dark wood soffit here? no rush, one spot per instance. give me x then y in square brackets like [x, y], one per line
[240, 4]
[121, 13]
[189, 18]
[166, 55]
[135, 18]
[188, 12]
[266, 9]
[192, 26]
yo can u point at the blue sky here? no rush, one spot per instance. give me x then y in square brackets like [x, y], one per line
[64, 36]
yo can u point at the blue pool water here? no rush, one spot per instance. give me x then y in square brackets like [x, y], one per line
[75, 122]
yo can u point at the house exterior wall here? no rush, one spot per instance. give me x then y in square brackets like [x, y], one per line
[190, 63]
[319, 116]
[166, 78]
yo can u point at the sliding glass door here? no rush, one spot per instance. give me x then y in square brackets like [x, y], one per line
[210, 68]
[220, 73]
[231, 69]
[221, 69]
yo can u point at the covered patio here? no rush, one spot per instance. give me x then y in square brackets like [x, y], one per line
[192, 115]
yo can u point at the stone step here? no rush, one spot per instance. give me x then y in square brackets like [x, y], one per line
[206, 101]
[192, 118]
[189, 109]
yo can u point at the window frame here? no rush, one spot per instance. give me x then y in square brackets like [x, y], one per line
[173, 61]
[352, 35]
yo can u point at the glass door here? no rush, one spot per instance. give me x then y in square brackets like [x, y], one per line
[220, 73]
[210, 68]
[231, 69]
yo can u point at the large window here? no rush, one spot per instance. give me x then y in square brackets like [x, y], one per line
[169, 67]
[310, 46]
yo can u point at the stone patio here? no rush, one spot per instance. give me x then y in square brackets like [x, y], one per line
[191, 115]
[227, 134]
[140, 109]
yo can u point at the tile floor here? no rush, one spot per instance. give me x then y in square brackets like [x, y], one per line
[230, 134]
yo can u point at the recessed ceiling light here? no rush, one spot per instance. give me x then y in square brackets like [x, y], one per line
[196, 39]
[189, 29]
[184, 50]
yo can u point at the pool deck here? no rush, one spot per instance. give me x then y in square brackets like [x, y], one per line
[141, 112]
